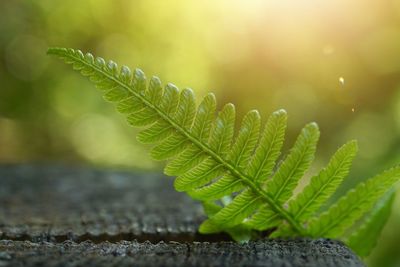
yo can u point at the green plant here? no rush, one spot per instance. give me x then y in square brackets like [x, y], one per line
[242, 189]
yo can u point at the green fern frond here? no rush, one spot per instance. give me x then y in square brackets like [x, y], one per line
[239, 233]
[234, 174]
[282, 184]
[351, 207]
[363, 240]
[323, 185]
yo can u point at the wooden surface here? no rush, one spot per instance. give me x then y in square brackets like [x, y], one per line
[62, 216]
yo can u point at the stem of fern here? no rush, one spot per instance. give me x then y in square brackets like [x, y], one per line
[247, 180]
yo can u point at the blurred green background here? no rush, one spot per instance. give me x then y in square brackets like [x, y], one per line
[334, 62]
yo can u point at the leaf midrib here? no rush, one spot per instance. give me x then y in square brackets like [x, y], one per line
[277, 208]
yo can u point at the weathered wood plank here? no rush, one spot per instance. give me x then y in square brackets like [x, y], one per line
[282, 253]
[54, 203]
[48, 212]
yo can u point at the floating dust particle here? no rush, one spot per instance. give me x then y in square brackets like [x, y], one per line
[341, 81]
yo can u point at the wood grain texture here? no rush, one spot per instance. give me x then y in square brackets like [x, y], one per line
[69, 216]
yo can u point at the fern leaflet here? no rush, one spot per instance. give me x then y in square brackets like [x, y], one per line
[365, 237]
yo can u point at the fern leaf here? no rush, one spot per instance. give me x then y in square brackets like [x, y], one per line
[169, 101]
[264, 218]
[235, 212]
[238, 233]
[155, 90]
[283, 231]
[129, 105]
[320, 188]
[239, 155]
[268, 151]
[210, 209]
[353, 205]
[211, 164]
[222, 134]
[141, 118]
[138, 82]
[204, 118]
[281, 186]
[364, 239]
[185, 161]
[186, 109]
[155, 133]
[202, 174]
[260, 167]
[226, 185]
[246, 141]
[323, 185]
[169, 147]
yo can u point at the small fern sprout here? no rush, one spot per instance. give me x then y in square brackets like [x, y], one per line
[236, 176]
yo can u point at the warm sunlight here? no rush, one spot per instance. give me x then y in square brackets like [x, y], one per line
[334, 62]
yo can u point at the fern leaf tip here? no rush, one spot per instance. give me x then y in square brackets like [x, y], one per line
[255, 113]
[172, 86]
[179, 187]
[353, 143]
[139, 72]
[207, 227]
[156, 80]
[280, 112]
[211, 95]
[56, 50]
[125, 70]
[313, 125]
[188, 91]
[230, 106]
